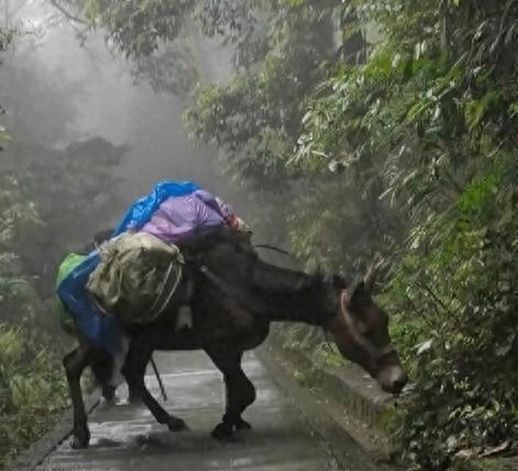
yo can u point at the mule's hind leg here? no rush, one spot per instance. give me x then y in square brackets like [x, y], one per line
[102, 368]
[75, 363]
[133, 371]
[240, 393]
[246, 397]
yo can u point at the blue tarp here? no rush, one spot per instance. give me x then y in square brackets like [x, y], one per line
[102, 331]
[142, 209]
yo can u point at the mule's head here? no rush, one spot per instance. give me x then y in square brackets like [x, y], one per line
[360, 330]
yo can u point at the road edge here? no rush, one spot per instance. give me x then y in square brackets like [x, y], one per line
[33, 456]
[364, 411]
[320, 415]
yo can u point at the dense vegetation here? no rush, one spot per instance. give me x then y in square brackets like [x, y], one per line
[41, 192]
[28, 373]
[388, 129]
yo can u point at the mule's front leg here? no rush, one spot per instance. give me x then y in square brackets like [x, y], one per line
[133, 371]
[240, 393]
[75, 363]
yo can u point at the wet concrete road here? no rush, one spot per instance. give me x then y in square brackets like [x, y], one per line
[126, 437]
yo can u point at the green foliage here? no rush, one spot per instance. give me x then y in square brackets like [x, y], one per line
[428, 125]
[137, 27]
[280, 52]
[44, 188]
[412, 156]
[32, 385]
[171, 69]
[464, 290]
[32, 390]
[59, 183]
[157, 36]
[256, 119]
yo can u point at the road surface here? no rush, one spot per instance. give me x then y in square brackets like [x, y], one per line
[126, 437]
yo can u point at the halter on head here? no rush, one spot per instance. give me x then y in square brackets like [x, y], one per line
[375, 352]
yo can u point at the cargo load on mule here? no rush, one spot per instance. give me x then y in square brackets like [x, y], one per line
[133, 277]
[136, 277]
[233, 297]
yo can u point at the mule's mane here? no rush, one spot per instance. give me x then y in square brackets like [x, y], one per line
[277, 280]
[272, 292]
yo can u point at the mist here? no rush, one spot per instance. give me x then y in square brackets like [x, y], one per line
[91, 92]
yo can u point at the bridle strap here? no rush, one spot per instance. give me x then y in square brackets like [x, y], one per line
[218, 282]
[387, 350]
[272, 247]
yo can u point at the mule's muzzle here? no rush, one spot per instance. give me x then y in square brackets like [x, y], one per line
[392, 379]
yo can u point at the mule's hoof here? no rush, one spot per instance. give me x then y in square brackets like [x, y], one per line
[224, 433]
[80, 441]
[176, 425]
[243, 425]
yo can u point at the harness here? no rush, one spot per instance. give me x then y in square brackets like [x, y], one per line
[218, 282]
[167, 290]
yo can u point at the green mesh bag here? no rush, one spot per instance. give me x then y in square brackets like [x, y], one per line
[71, 261]
[136, 277]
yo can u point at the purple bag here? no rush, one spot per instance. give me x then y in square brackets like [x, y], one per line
[179, 217]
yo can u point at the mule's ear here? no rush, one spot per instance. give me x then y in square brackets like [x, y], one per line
[353, 295]
[372, 273]
[359, 294]
[370, 279]
[339, 280]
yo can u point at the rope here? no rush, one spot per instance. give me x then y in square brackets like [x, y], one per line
[273, 248]
[170, 294]
[158, 378]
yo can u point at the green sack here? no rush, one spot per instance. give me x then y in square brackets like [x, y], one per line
[71, 261]
[136, 277]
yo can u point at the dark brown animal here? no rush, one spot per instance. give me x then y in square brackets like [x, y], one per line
[234, 298]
